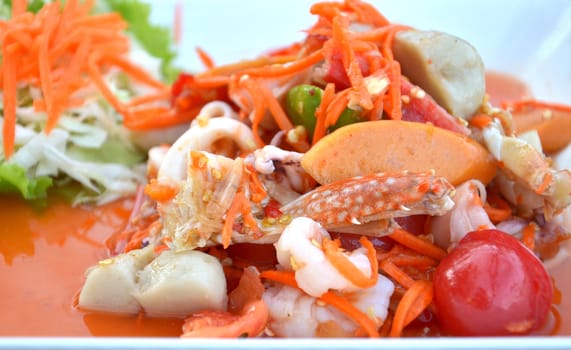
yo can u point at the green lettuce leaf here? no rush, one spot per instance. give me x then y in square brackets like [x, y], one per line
[13, 179]
[156, 40]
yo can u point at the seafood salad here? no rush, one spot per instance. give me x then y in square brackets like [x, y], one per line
[358, 183]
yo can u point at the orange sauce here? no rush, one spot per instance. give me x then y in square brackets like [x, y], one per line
[43, 256]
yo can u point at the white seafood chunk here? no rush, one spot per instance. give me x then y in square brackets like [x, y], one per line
[447, 67]
[111, 283]
[180, 283]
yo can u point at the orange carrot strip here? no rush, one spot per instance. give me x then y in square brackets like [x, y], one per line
[347, 268]
[161, 95]
[160, 192]
[286, 69]
[259, 109]
[326, 9]
[343, 305]
[337, 301]
[205, 58]
[210, 81]
[480, 121]
[321, 112]
[545, 184]
[350, 63]
[558, 321]
[256, 187]
[393, 106]
[497, 208]
[417, 298]
[134, 71]
[418, 245]
[336, 107]
[396, 273]
[239, 66]
[19, 7]
[413, 260]
[522, 104]
[98, 80]
[368, 13]
[274, 106]
[528, 236]
[231, 216]
[9, 89]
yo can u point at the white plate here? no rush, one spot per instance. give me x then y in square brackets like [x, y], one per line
[531, 39]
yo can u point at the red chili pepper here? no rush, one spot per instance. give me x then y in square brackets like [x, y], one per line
[272, 210]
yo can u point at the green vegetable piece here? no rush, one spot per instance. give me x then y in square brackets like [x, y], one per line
[13, 179]
[349, 116]
[156, 40]
[301, 103]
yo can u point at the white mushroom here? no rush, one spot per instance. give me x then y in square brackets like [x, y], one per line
[181, 283]
[446, 67]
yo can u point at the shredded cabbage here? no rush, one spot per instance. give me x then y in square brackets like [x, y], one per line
[89, 146]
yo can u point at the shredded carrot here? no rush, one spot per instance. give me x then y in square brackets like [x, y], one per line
[321, 112]
[136, 239]
[240, 205]
[416, 299]
[480, 121]
[419, 245]
[557, 320]
[62, 48]
[9, 89]
[350, 63]
[160, 192]
[336, 107]
[547, 179]
[231, 215]
[393, 103]
[520, 105]
[419, 261]
[343, 305]
[396, 273]
[274, 71]
[347, 268]
[367, 13]
[257, 189]
[497, 208]
[274, 106]
[205, 58]
[337, 301]
[528, 236]
[19, 7]
[259, 108]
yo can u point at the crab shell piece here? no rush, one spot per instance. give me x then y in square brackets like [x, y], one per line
[375, 197]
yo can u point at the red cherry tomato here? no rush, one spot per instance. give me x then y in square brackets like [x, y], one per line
[491, 284]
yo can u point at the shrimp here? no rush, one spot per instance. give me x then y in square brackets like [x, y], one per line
[467, 215]
[296, 314]
[527, 173]
[300, 249]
